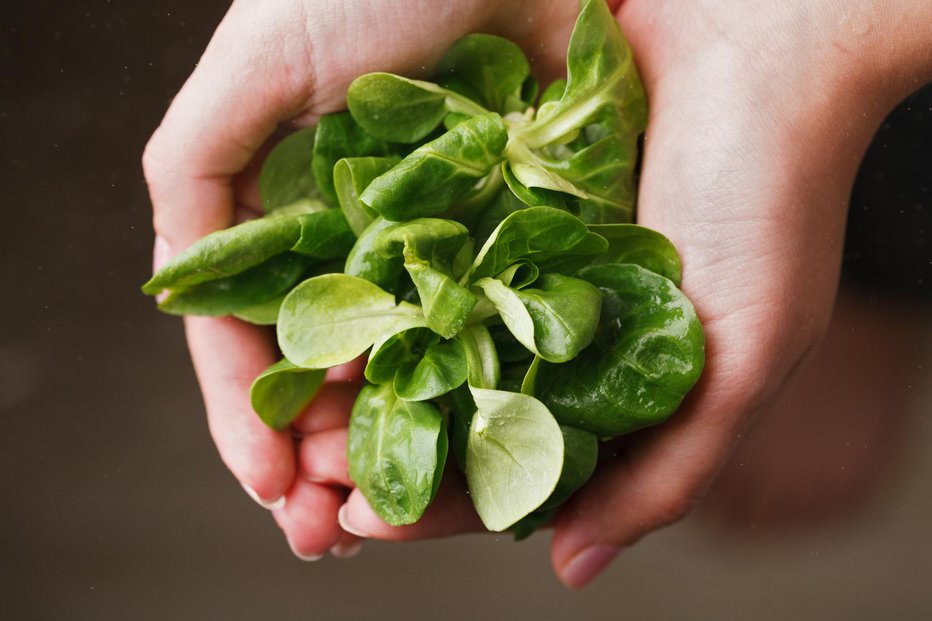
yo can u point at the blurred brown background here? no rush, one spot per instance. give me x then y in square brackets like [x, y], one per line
[114, 502]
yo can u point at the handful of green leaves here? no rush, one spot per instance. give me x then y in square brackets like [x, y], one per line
[474, 238]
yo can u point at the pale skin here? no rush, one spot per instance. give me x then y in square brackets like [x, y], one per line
[759, 115]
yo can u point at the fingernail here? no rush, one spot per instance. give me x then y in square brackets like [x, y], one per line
[587, 564]
[161, 253]
[342, 515]
[346, 550]
[310, 558]
[313, 479]
[271, 505]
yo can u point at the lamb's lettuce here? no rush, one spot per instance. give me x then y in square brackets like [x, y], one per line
[474, 240]
[396, 452]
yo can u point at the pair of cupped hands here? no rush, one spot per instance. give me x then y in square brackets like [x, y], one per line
[759, 114]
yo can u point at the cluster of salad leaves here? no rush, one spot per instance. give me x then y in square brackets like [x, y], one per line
[474, 237]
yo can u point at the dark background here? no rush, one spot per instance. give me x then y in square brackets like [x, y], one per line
[113, 502]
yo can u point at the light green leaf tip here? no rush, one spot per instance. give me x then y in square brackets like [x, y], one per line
[514, 456]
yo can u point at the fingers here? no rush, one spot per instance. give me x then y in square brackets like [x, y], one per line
[351, 372]
[542, 30]
[322, 458]
[309, 520]
[228, 355]
[229, 106]
[322, 452]
[330, 409]
[242, 88]
[451, 513]
[654, 485]
[347, 546]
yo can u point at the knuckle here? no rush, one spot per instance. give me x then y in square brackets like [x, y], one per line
[672, 507]
[153, 159]
[156, 171]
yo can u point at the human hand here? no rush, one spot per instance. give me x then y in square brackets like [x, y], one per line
[270, 64]
[759, 117]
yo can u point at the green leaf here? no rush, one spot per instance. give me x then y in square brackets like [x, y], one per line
[528, 525]
[486, 219]
[453, 119]
[605, 171]
[481, 357]
[514, 456]
[537, 196]
[331, 319]
[227, 252]
[553, 92]
[441, 369]
[399, 109]
[519, 274]
[324, 235]
[399, 349]
[585, 142]
[630, 243]
[350, 177]
[224, 296]
[462, 408]
[266, 313]
[537, 234]
[647, 356]
[282, 391]
[299, 207]
[529, 382]
[601, 77]
[263, 314]
[555, 320]
[463, 259]
[435, 175]
[396, 451]
[508, 348]
[469, 207]
[339, 136]
[420, 365]
[372, 403]
[515, 374]
[577, 256]
[429, 248]
[320, 234]
[365, 261]
[445, 303]
[597, 181]
[529, 91]
[487, 69]
[531, 171]
[434, 240]
[580, 455]
[249, 264]
[286, 175]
